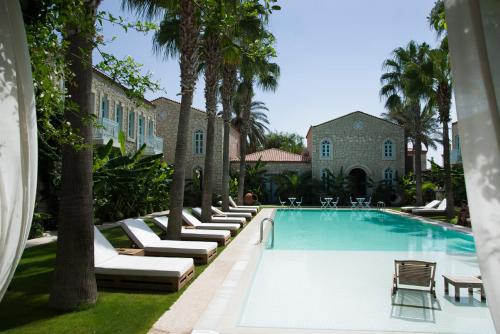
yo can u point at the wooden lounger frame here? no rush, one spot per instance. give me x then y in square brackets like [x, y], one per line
[220, 242]
[416, 273]
[136, 282]
[197, 258]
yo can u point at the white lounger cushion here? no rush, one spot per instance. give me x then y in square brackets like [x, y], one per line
[162, 222]
[109, 262]
[427, 206]
[145, 238]
[193, 221]
[236, 220]
[234, 205]
[240, 209]
[440, 208]
[231, 214]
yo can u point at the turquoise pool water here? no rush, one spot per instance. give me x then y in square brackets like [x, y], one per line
[363, 230]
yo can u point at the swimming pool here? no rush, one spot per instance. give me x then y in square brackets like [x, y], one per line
[332, 270]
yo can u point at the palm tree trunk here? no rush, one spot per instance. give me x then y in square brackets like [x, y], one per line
[228, 90]
[189, 35]
[74, 283]
[418, 171]
[212, 68]
[448, 186]
[247, 99]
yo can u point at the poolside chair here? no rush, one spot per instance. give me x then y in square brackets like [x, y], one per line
[218, 212]
[113, 270]
[222, 237]
[143, 236]
[441, 209]
[323, 202]
[335, 203]
[298, 203]
[233, 204]
[220, 219]
[430, 205]
[353, 204]
[415, 273]
[368, 202]
[283, 203]
[193, 222]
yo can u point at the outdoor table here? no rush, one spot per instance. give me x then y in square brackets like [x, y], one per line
[458, 282]
[328, 202]
[360, 201]
[292, 200]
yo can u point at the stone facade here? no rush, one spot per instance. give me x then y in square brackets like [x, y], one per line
[357, 141]
[168, 119]
[117, 112]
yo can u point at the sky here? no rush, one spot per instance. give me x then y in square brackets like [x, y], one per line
[330, 53]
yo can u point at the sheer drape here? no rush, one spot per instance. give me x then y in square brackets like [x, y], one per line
[18, 141]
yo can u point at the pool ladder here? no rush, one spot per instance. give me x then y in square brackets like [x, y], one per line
[262, 230]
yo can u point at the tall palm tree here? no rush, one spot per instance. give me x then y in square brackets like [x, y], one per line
[179, 34]
[441, 97]
[406, 89]
[74, 284]
[258, 122]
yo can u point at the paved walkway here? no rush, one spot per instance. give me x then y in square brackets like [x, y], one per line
[204, 293]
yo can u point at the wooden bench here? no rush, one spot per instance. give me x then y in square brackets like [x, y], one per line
[469, 282]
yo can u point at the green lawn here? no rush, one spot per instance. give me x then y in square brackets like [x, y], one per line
[24, 307]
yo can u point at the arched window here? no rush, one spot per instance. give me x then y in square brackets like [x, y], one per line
[388, 176]
[325, 178]
[326, 149]
[198, 142]
[388, 149]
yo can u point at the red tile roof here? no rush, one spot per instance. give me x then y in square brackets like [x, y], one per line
[274, 155]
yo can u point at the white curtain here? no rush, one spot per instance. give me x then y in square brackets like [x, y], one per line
[474, 41]
[18, 141]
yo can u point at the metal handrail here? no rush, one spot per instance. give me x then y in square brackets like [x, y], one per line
[262, 230]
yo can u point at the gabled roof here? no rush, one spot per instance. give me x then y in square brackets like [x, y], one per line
[274, 155]
[346, 115]
[176, 102]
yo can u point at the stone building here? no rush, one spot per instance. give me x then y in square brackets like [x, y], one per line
[168, 118]
[117, 112]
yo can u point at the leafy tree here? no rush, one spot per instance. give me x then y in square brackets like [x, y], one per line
[406, 90]
[297, 185]
[257, 126]
[255, 178]
[290, 142]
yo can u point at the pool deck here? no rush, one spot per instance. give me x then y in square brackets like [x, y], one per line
[214, 301]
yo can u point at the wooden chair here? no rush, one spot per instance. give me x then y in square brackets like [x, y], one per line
[416, 273]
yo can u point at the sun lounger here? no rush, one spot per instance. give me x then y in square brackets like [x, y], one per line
[218, 212]
[234, 205]
[202, 252]
[441, 209]
[430, 205]
[113, 270]
[222, 237]
[192, 221]
[414, 273]
[219, 219]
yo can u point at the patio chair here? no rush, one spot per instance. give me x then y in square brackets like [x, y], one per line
[143, 236]
[222, 237]
[323, 202]
[193, 222]
[335, 203]
[368, 202]
[414, 273]
[218, 212]
[354, 204]
[234, 205]
[430, 205]
[221, 219]
[113, 270]
[298, 203]
[441, 209]
[283, 203]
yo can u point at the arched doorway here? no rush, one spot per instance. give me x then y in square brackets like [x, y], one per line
[357, 177]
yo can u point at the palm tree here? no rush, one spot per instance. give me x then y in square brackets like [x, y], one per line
[179, 34]
[74, 284]
[441, 97]
[406, 89]
[258, 122]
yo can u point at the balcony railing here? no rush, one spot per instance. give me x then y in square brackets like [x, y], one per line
[455, 156]
[154, 145]
[107, 129]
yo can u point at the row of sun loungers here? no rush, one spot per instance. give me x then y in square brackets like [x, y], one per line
[168, 264]
[434, 207]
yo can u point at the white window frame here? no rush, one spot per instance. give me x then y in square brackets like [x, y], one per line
[393, 149]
